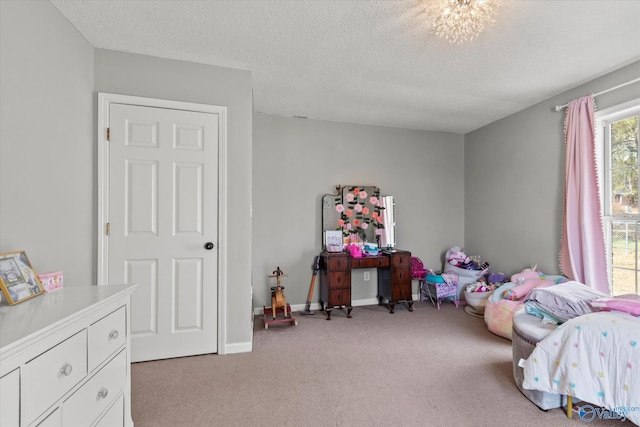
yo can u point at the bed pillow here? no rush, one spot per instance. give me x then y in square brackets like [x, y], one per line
[629, 303]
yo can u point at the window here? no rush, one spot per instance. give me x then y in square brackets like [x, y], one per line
[618, 135]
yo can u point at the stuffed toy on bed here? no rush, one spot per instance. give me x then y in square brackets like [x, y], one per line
[525, 281]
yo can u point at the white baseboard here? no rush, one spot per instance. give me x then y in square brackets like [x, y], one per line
[368, 301]
[295, 307]
[243, 347]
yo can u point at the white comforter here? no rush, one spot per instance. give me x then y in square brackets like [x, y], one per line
[595, 358]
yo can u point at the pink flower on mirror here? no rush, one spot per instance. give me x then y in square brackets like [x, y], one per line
[359, 211]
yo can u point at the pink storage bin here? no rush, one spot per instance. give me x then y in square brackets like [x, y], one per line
[51, 281]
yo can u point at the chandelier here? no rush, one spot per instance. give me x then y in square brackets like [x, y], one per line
[459, 21]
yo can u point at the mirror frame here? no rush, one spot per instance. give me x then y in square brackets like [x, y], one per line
[356, 210]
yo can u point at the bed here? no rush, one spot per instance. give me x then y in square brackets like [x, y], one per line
[593, 357]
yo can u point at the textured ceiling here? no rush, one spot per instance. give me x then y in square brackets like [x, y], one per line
[376, 62]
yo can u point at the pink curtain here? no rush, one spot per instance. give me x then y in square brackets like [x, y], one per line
[582, 253]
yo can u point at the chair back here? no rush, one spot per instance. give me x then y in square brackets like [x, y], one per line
[417, 268]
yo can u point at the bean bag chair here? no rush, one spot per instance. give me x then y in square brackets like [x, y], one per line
[501, 306]
[498, 316]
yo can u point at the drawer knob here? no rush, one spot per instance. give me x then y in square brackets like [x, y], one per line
[66, 369]
[113, 334]
[103, 393]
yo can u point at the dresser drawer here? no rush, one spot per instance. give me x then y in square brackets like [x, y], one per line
[339, 297]
[106, 336]
[10, 399]
[54, 419]
[336, 262]
[370, 262]
[114, 415]
[401, 260]
[401, 292]
[47, 377]
[339, 280]
[95, 396]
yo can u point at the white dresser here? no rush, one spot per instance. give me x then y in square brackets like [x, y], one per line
[65, 359]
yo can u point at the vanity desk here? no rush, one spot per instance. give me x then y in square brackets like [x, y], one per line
[394, 279]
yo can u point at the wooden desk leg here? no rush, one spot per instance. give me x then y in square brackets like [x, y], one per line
[328, 313]
[349, 308]
[392, 306]
[569, 407]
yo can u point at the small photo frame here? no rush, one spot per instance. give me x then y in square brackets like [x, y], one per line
[18, 281]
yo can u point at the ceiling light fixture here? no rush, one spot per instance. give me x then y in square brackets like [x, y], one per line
[459, 21]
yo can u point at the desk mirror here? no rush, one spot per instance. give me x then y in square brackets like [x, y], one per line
[356, 210]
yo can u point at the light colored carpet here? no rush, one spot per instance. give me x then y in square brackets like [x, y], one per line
[421, 368]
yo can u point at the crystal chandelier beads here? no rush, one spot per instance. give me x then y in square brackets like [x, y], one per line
[459, 21]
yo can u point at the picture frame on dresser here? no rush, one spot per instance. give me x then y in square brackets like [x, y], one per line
[18, 281]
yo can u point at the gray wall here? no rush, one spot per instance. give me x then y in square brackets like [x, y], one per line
[47, 138]
[138, 75]
[514, 183]
[296, 161]
[46, 141]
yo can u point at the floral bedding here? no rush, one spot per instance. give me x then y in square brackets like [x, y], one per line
[595, 358]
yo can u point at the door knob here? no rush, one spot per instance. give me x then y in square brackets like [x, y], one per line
[208, 246]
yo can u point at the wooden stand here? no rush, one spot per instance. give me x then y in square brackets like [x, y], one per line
[269, 318]
[278, 304]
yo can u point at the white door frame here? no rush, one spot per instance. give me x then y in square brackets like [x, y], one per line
[104, 102]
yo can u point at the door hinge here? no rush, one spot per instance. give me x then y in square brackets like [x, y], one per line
[107, 229]
[108, 134]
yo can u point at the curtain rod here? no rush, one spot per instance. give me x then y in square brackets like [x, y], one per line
[560, 107]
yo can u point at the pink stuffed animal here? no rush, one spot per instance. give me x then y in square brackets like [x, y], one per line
[457, 257]
[525, 275]
[525, 281]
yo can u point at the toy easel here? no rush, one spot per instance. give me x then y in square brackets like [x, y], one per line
[278, 303]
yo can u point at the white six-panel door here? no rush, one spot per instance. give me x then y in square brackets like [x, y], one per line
[162, 215]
